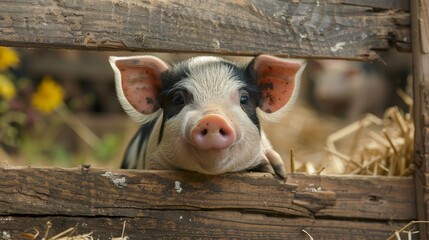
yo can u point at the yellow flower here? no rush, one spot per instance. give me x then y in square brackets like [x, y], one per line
[8, 58]
[7, 89]
[48, 97]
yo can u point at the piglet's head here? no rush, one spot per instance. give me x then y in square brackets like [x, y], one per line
[278, 81]
[138, 83]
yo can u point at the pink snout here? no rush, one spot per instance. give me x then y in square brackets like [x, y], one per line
[212, 133]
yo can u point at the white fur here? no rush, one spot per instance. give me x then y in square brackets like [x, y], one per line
[204, 83]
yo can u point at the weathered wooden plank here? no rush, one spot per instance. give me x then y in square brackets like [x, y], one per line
[361, 197]
[331, 29]
[420, 57]
[203, 224]
[128, 193]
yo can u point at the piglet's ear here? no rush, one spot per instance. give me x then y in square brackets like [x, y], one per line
[278, 80]
[138, 82]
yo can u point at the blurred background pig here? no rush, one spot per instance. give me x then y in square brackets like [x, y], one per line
[349, 89]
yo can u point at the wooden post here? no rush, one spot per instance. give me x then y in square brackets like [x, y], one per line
[420, 52]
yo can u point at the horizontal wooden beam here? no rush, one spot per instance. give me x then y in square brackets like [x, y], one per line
[201, 224]
[131, 193]
[364, 197]
[350, 29]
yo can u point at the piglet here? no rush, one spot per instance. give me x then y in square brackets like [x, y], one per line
[203, 114]
[349, 89]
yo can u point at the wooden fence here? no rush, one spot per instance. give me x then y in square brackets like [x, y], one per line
[169, 204]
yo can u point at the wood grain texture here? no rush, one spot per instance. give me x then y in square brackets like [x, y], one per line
[349, 29]
[129, 193]
[420, 57]
[204, 225]
[364, 197]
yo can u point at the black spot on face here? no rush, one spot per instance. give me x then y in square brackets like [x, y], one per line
[166, 96]
[171, 105]
[250, 107]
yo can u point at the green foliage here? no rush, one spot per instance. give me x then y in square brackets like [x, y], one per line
[107, 147]
[37, 128]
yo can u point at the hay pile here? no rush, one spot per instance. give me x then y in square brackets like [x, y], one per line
[69, 234]
[370, 146]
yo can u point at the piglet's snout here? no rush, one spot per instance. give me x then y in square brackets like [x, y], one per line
[213, 133]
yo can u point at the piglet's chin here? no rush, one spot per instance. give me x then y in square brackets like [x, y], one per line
[206, 162]
[213, 166]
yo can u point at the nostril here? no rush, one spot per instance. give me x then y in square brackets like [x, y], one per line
[204, 132]
[223, 132]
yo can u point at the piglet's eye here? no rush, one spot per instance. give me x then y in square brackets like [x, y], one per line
[244, 97]
[178, 98]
